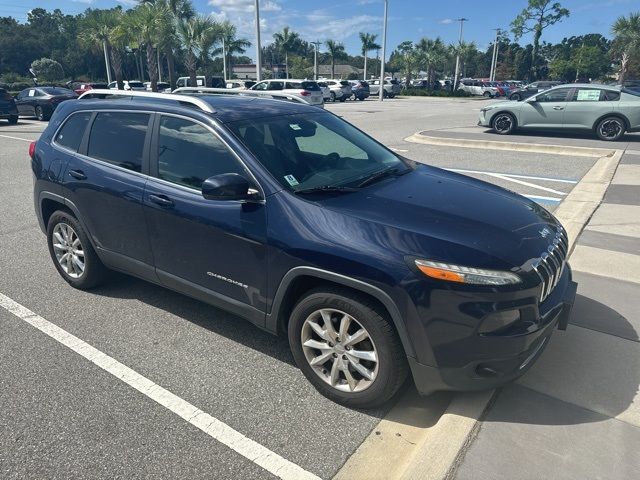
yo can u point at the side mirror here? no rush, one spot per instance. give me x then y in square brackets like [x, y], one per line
[227, 186]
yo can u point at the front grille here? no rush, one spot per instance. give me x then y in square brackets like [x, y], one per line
[550, 265]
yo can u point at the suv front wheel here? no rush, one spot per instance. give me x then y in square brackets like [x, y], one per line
[72, 253]
[346, 347]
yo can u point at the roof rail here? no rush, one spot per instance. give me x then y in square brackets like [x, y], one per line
[246, 93]
[198, 102]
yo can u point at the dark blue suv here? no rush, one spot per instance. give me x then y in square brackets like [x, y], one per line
[286, 215]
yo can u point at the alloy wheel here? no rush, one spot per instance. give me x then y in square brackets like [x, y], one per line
[610, 129]
[503, 123]
[339, 350]
[68, 250]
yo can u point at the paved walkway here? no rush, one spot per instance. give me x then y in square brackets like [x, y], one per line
[576, 413]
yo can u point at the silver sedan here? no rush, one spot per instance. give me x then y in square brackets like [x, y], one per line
[608, 111]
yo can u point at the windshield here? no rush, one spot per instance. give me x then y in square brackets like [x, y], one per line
[314, 150]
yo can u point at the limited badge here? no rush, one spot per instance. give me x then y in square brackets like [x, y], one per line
[291, 180]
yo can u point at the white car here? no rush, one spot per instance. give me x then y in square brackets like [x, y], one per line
[307, 90]
[326, 91]
[476, 87]
[338, 89]
[129, 85]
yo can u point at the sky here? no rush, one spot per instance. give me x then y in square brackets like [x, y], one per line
[342, 19]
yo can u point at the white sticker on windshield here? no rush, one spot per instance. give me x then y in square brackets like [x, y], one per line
[295, 126]
[291, 180]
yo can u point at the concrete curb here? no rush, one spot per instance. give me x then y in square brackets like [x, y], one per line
[399, 448]
[509, 146]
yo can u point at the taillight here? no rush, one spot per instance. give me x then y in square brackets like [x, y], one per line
[304, 93]
[32, 149]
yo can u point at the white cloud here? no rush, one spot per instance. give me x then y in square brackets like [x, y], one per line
[324, 26]
[446, 21]
[367, 2]
[128, 3]
[82, 1]
[245, 6]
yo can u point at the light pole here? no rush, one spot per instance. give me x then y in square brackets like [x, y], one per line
[258, 47]
[494, 58]
[315, 59]
[224, 61]
[455, 80]
[384, 48]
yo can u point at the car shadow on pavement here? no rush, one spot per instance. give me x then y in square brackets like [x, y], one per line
[543, 134]
[199, 313]
[591, 371]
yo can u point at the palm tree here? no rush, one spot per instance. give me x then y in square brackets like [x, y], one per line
[431, 53]
[179, 11]
[147, 22]
[286, 41]
[103, 29]
[627, 32]
[336, 52]
[368, 41]
[195, 35]
[226, 33]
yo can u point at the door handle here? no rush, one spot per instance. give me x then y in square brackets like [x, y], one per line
[161, 200]
[78, 174]
[558, 108]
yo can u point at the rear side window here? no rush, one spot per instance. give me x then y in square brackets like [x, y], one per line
[118, 138]
[71, 133]
[610, 96]
[188, 153]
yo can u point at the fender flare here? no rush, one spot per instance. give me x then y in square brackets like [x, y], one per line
[272, 317]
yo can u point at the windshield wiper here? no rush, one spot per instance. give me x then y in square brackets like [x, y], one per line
[326, 189]
[374, 177]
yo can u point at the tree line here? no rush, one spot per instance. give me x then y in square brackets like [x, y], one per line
[168, 36]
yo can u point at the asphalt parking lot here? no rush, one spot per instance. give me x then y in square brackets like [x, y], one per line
[65, 417]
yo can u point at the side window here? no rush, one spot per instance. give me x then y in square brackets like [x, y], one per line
[610, 96]
[188, 153]
[559, 95]
[70, 135]
[275, 86]
[118, 138]
[260, 86]
[586, 95]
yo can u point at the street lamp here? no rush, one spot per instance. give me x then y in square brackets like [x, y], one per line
[494, 58]
[258, 47]
[315, 59]
[455, 80]
[384, 47]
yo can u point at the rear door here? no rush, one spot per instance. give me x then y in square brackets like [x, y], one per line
[217, 248]
[106, 181]
[586, 105]
[544, 110]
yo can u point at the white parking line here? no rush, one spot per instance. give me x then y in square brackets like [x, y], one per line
[398, 150]
[16, 138]
[258, 454]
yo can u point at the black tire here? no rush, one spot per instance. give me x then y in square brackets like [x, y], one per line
[487, 95]
[392, 363]
[94, 272]
[503, 123]
[515, 96]
[333, 96]
[343, 98]
[39, 113]
[13, 119]
[392, 95]
[611, 128]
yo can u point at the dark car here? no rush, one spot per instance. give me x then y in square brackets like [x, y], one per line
[41, 102]
[359, 89]
[288, 216]
[8, 107]
[531, 89]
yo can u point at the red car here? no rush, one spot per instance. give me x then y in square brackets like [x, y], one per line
[81, 87]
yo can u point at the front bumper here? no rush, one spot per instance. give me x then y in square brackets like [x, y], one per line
[511, 356]
[484, 120]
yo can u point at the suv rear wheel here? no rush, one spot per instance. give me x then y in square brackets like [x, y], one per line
[347, 348]
[72, 253]
[333, 96]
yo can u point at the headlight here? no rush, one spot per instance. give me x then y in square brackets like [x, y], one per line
[486, 109]
[468, 275]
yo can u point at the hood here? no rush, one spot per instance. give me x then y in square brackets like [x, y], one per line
[509, 105]
[451, 217]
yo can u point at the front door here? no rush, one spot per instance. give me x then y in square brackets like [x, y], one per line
[203, 247]
[544, 110]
